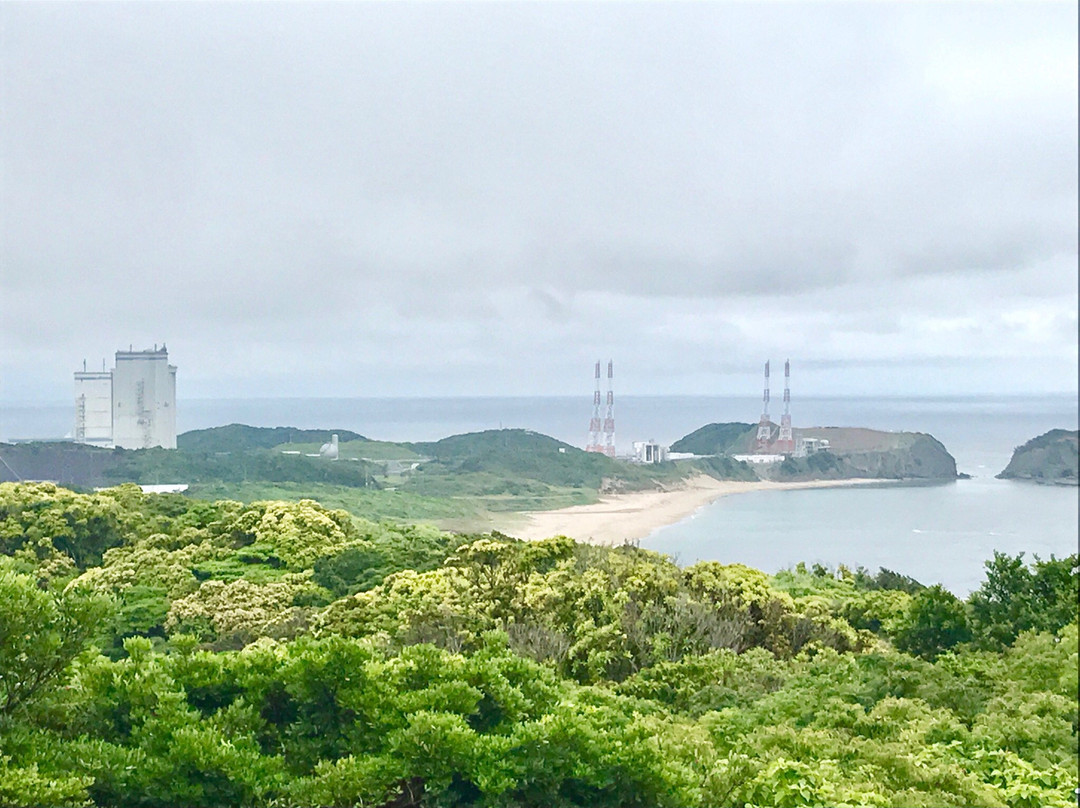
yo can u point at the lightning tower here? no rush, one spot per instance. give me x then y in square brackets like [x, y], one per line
[785, 443]
[764, 430]
[594, 424]
[609, 417]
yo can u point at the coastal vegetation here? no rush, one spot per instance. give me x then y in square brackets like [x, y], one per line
[463, 481]
[160, 650]
[1052, 458]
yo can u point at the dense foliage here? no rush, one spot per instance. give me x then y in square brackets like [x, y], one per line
[163, 651]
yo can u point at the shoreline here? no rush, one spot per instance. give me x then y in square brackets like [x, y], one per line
[632, 516]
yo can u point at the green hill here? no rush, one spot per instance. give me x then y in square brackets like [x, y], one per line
[242, 438]
[1051, 458]
[715, 439]
[520, 454]
[363, 449]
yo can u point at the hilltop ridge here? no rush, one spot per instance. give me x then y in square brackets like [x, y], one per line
[241, 437]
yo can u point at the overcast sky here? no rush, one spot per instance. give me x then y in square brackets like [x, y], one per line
[482, 199]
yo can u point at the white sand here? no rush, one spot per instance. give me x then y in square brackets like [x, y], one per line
[621, 517]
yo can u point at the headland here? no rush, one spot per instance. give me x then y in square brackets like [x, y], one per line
[1052, 458]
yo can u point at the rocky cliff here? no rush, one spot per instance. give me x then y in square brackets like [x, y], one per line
[1050, 459]
[853, 452]
[886, 455]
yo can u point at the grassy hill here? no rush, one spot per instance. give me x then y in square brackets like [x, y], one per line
[378, 451]
[519, 453]
[517, 469]
[243, 438]
[716, 439]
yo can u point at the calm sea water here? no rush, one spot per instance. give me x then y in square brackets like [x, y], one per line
[934, 533]
[940, 533]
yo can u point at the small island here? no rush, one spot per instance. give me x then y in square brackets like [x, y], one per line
[1049, 459]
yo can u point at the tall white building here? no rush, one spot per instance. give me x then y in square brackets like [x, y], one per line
[93, 407]
[141, 398]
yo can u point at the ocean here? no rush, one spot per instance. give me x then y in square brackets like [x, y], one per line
[936, 533]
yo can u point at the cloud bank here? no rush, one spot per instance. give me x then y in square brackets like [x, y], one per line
[445, 199]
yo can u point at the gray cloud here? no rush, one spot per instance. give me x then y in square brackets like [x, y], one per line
[456, 198]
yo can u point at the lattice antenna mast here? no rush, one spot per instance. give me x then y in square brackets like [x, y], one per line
[785, 442]
[764, 430]
[609, 418]
[594, 424]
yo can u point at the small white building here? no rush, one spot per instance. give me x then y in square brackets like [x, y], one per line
[647, 451]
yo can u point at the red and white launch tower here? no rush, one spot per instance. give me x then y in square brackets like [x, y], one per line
[764, 430]
[785, 443]
[595, 424]
[602, 431]
[609, 417]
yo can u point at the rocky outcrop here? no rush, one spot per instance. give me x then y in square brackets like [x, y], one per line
[873, 454]
[853, 453]
[1051, 459]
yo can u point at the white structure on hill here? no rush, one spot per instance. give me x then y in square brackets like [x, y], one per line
[140, 393]
[330, 450]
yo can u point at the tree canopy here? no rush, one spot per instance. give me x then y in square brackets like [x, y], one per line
[163, 651]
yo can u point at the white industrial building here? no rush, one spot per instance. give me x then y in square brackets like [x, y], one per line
[808, 446]
[649, 451]
[93, 407]
[133, 406]
[759, 459]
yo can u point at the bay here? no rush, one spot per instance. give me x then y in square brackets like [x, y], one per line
[939, 533]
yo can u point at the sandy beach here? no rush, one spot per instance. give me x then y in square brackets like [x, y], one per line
[621, 517]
